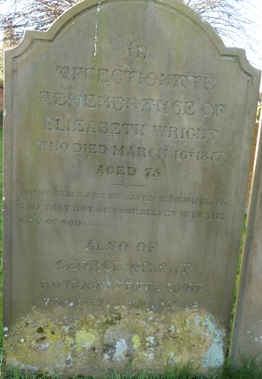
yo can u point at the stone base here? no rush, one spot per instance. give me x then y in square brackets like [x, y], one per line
[92, 343]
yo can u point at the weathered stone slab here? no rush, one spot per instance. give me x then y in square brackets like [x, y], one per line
[129, 129]
[247, 331]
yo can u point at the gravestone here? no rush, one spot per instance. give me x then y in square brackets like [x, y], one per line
[129, 130]
[247, 331]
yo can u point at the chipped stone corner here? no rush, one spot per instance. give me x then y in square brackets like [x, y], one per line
[58, 343]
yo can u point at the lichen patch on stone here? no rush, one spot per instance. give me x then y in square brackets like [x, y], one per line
[84, 339]
[91, 342]
[214, 357]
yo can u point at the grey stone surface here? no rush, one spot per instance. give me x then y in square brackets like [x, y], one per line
[128, 137]
[247, 332]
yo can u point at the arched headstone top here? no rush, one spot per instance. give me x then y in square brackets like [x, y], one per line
[177, 8]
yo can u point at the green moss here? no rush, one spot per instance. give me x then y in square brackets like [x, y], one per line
[113, 319]
[40, 329]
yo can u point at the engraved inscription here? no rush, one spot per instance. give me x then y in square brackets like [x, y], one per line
[136, 78]
[116, 170]
[184, 133]
[99, 303]
[91, 265]
[115, 285]
[131, 155]
[118, 266]
[64, 100]
[123, 247]
[128, 129]
[198, 155]
[137, 51]
[92, 127]
[130, 151]
[183, 207]
[140, 151]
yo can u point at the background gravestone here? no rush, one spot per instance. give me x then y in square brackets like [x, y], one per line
[247, 331]
[129, 130]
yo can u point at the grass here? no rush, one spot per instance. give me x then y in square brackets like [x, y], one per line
[248, 370]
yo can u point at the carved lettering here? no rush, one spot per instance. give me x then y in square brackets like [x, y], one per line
[56, 207]
[52, 146]
[145, 212]
[116, 170]
[170, 198]
[184, 133]
[29, 206]
[91, 148]
[123, 247]
[191, 154]
[136, 78]
[101, 303]
[176, 268]
[139, 151]
[92, 127]
[118, 266]
[116, 285]
[172, 107]
[137, 51]
[91, 265]
[29, 221]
